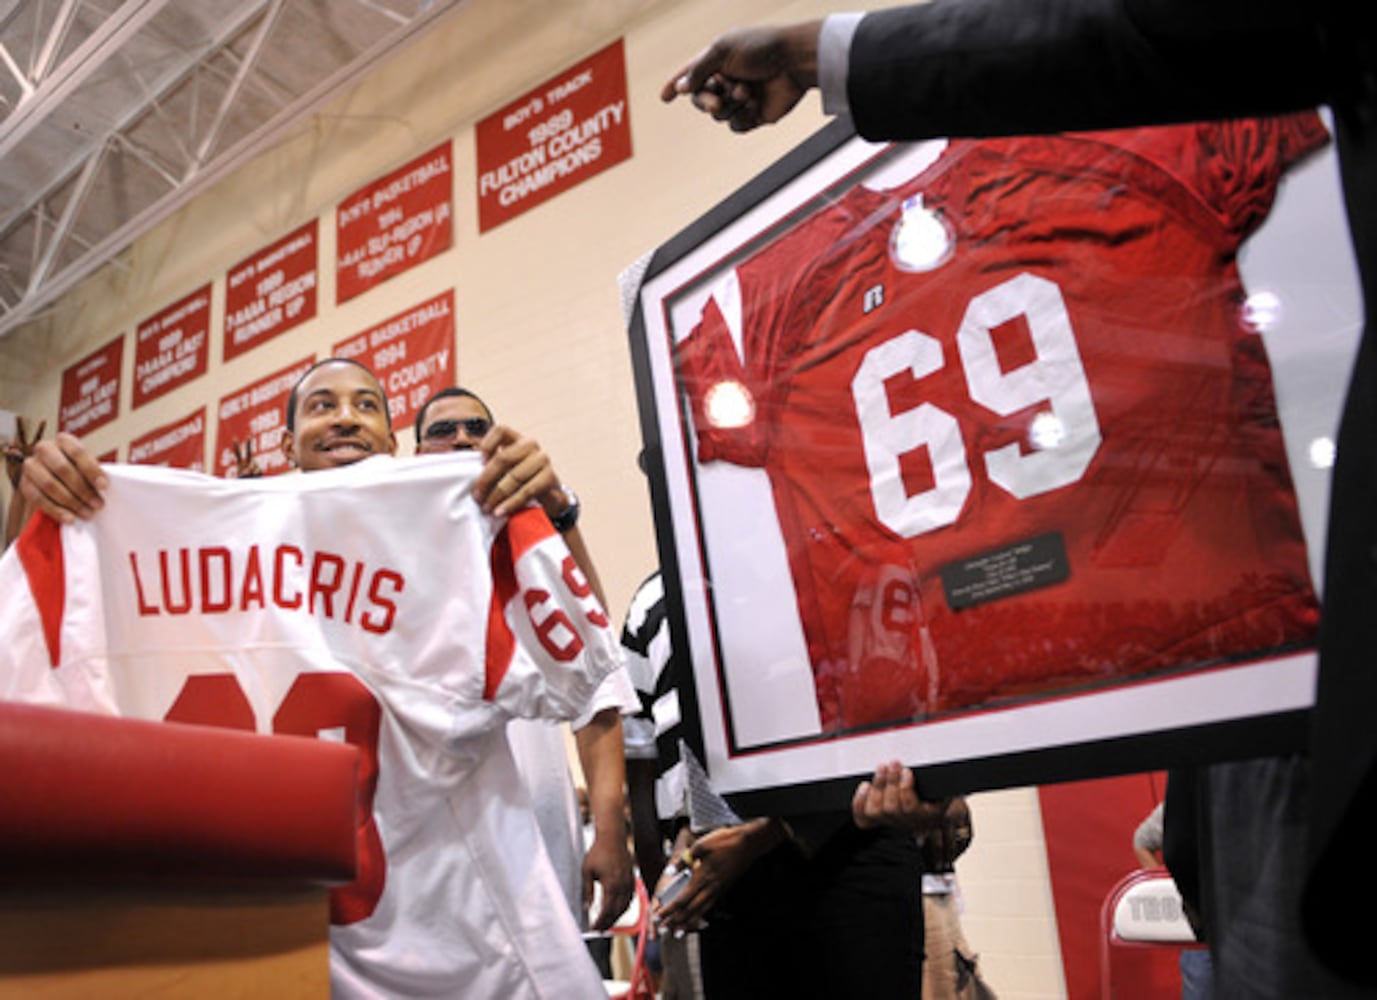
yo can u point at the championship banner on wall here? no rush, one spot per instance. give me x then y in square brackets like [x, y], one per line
[394, 223]
[181, 444]
[171, 348]
[558, 135]
[412, 354]
[272, 291]
[255, 415]
[998, 456]
[91, 390]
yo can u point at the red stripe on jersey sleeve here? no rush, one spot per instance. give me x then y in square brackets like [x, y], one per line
[523, 531]
[527, 528]
[501, 642]
[40, 553]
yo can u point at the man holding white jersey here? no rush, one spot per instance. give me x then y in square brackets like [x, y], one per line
[426, 654]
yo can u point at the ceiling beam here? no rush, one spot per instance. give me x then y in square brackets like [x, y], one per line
[156, 91]
[104, 249]
[231, 94]
[64, 224]
[56, 35]
[73, 71]
[25, 87]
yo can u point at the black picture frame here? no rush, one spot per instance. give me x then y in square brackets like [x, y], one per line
[1229, 709]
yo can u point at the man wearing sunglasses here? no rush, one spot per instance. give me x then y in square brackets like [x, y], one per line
[515, 473]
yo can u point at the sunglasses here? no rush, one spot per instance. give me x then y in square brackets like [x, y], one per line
[448, 430]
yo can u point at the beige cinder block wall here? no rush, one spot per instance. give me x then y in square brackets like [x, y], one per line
[539, 330]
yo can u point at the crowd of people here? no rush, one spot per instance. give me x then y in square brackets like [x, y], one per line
[844, 894]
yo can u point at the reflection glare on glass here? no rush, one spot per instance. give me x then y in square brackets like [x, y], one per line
[1261, 311]
[1322, 452]
[729, 404]
[922, 239]
[1046, 431]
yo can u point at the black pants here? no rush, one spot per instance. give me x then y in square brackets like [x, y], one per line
[846, 923]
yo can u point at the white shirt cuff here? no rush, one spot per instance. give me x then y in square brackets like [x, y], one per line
[834, 60]
[615, 691]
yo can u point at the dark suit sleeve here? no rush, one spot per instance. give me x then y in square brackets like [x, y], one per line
[995, 67]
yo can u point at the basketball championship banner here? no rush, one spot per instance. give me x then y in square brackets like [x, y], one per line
[272, 291]
[412, 354]
[171, 347]
[556, 136]
[998, 456]
[91, 390]
[255, 417]
[394, 223]
[180, 444]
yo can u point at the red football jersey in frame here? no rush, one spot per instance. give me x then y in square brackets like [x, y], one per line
[1011, 412]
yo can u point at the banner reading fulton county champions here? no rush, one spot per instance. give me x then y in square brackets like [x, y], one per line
[560, 134]
[983, 452]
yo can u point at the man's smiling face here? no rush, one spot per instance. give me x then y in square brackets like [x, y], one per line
[340, 419]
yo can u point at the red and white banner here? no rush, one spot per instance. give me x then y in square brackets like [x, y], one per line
[272, 291]
[394, 223]
[412, 354]
[170, 348]
[563, 132]
[91, 390]
[255, 415]
[181, 444]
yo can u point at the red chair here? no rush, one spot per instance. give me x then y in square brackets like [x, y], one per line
[1142, 910]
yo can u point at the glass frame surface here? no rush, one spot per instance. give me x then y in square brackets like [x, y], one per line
[752, 707]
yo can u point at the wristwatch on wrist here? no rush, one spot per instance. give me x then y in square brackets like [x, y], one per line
[569, 516]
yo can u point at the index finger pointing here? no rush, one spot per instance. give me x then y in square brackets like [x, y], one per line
[695, 73]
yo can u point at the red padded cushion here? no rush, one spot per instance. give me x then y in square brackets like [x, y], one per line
[91, 796]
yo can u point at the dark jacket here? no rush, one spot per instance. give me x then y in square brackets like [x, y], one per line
[989, 67]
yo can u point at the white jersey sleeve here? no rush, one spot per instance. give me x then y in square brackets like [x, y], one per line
[615, 691]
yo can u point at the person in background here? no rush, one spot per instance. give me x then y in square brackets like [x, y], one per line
[1147, 838]
[654, 777]
[1197, 974]
[245, 465]
[949, 965]
[1269, 864]
[819, 905]
[455, 419]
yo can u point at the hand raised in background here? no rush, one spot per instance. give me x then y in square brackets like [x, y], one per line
[21, 448]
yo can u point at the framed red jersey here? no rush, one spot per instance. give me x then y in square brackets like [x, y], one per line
[1004, 457]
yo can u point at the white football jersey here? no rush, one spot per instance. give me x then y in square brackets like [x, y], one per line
[374, 604]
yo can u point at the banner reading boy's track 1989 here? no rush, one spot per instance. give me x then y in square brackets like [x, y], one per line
[554, 137]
